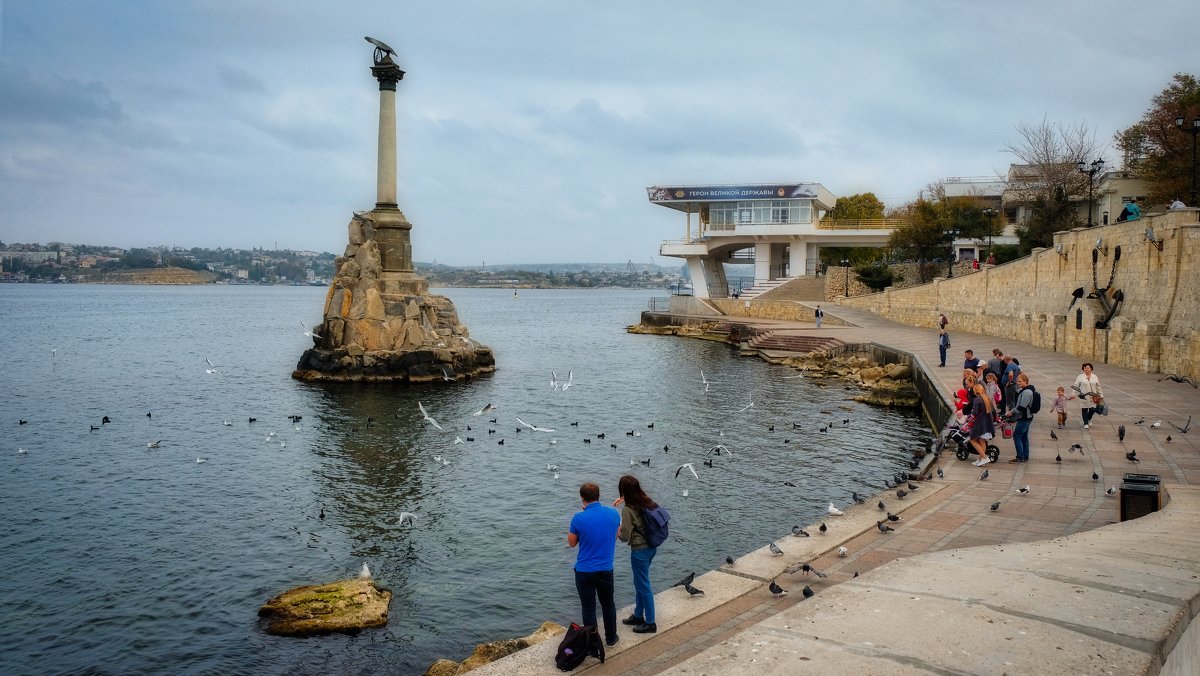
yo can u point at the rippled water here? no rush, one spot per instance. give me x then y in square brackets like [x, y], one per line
[120, 559]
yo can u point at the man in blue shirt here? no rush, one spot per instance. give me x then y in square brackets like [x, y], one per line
[594, 531]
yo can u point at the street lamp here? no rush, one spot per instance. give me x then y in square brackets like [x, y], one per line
[991, 225]
[846, 269]
[952, 235]
[1193, 131]
[1096, 167]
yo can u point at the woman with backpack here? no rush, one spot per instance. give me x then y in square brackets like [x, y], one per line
[633, 502]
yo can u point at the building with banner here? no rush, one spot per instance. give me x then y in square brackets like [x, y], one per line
[779, 229]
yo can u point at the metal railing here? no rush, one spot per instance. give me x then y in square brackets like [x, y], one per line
[861, 223]
[659, 304]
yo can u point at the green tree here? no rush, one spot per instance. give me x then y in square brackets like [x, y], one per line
[877, 276]
[1155, 149]
[862, 205]
[921, 238]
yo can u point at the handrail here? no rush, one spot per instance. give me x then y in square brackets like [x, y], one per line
[861, 223]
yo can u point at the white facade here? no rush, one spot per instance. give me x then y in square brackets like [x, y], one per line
[775, 228]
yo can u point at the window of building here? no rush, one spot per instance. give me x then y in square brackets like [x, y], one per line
[759, 212]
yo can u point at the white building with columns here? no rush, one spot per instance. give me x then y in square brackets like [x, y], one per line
[777, 228]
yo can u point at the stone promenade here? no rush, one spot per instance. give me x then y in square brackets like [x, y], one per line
[1043, 584]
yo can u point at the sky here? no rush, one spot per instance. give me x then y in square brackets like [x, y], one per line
[529, 130]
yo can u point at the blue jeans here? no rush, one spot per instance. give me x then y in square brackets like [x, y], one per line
[942, 352]
[1021, 439]
[591, 585]
[643, 595]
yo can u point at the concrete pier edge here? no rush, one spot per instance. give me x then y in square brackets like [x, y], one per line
[1148, 563]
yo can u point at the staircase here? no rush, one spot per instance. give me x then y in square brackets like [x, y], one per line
[808, 288]
[777, 342]
[763, 287]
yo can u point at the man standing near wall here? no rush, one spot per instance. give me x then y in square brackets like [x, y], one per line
[594, 530]
[819, 314]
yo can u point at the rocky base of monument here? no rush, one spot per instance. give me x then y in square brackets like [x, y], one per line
[354, 364]
[384, 326]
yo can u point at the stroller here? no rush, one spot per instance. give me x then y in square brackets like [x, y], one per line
[960, 436]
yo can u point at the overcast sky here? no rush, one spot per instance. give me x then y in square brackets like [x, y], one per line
[528, 131]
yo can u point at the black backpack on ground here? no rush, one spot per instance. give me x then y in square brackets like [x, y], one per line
[577, 644]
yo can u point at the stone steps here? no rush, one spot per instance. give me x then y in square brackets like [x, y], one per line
[791, 343]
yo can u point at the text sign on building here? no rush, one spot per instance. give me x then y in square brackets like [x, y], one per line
[713, 193]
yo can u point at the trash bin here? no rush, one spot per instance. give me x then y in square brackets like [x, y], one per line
[1138, 499]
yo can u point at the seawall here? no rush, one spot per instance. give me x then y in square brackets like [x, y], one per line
[1155, 330]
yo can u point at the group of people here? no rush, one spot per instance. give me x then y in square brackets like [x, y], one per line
[996, 391]
[595, 530]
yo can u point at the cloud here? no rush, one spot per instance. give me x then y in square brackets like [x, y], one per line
[49, 98]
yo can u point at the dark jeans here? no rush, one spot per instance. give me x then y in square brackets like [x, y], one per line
[591, 585]
[1087, 415]
[1021, 439]
[942, 352]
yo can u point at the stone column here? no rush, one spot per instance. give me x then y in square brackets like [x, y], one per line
[388, 74]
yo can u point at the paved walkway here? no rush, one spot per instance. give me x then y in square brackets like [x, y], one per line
[954, 512]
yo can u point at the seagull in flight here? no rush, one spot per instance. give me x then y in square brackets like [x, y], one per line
[407, 518]
[309, 332]
[446, 375]
[748, 406]
[458, 440]
[535, 428]
[486, 409]
[427, 416]
[153, 444]
[211, 369]
[719, 449]
[704, 380]
[553, 380]
[570, 378]
[688, 466]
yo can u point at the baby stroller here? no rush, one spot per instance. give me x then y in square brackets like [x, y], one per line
[960, 436]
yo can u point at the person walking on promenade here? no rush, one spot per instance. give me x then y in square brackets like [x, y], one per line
[942, 322]
[1060, 407]
[943, 345]
[1023, 414]
[633, 530]
[1087, 388]
[819, 314]
[982, 427]
[594, 531]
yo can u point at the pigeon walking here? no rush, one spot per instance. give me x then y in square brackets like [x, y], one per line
[686, 580]
[776, 589]
[984, 475]
[883, 528]
[1132, 456]
[774, 549]
[692, 591]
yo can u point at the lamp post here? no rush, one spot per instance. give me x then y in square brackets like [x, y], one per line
[1195, 129]
[951, 235]
[846, 269]
[991, 225]
[1096, 167]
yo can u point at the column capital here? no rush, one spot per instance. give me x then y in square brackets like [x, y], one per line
[388, 75]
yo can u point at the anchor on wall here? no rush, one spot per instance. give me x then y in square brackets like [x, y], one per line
[1102, 294]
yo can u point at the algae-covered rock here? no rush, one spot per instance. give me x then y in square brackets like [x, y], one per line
[486, 653]
[341, 606]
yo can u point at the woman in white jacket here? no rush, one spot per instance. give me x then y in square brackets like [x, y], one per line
[1087, 391]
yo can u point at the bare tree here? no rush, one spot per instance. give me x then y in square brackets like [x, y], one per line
[1050, 153]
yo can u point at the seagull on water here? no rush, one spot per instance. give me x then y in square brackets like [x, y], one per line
[153, 444]
[200, 461]
[688, 466]
[211, 369]
[407, 518]
[535, 428]
[427, 416]
[309, 332]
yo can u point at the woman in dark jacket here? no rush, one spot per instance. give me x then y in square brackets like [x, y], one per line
[633, 531]
[982, 428]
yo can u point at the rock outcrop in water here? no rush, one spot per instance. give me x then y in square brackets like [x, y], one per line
[381, 324]
[342, 606]
[486, 653]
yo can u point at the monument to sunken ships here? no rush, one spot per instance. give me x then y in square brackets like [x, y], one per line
[380, 322]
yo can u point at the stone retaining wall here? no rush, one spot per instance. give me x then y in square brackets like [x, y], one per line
[1156, 330]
